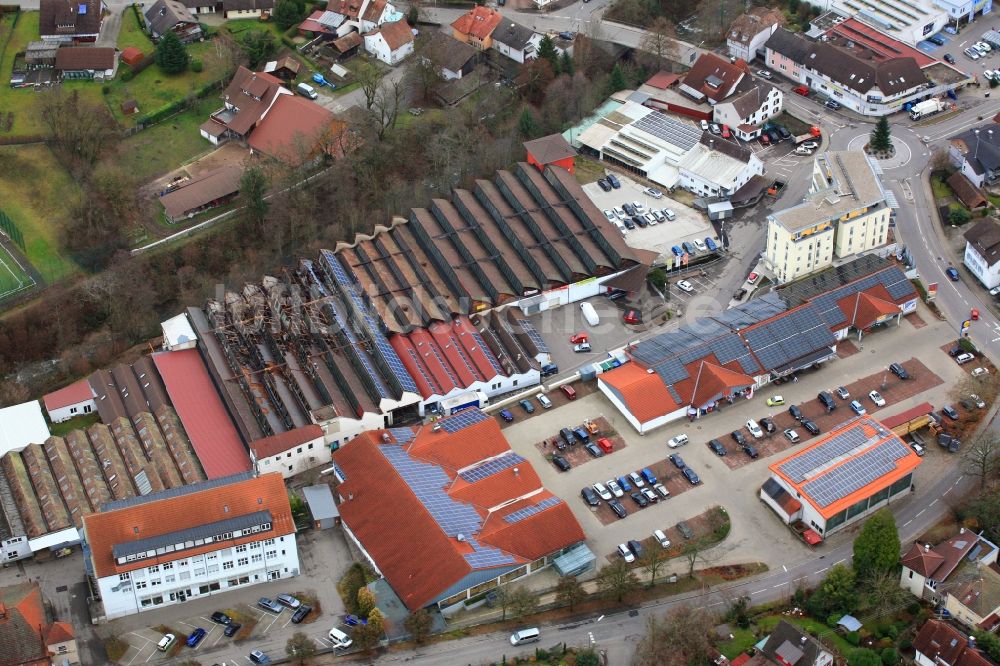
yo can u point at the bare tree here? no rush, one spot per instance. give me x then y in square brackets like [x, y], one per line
[516, 601]
[422, 70]
[569, 591]
[652, 561]
[385, 108]
[982, 458]
[660, 42]
[370, 77]
[80, 132]
[882, 592]
[617, 580]
[678, 638]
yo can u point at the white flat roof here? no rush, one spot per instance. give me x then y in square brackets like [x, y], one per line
[177, 331]
[21, 425]
[713, 166]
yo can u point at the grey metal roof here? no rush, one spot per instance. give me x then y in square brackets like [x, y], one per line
[200, 532]
[320, 501]
[177, 492]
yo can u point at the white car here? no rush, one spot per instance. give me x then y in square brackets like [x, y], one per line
[755, 429]
[678, 440]
[619, 213]
[994, 291]
[602, 490]
[792, 435]
[669, 214]
[615, 489]
[685, 286]
[811, 145]
[653, 192]
[979, 372]
[763, 73]
[610, 215]
[704, 125]
[877, 398]
[661, 490]
[637, 480]
[639, 208]
[989, 74]
[964, 358]
[581, 348]
[972, 53]
[700, 245]
[661, 538]
[982, 47]
[625, 553]
[980, 403]
[858, 408]
[802, 150]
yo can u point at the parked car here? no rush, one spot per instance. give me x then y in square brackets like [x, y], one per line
[581, 348]
[810, 426]
[221, 618]
[763, 73]
[288, 601]
[877, 398]
[603, 491]
[949, 58]
[685, 531]
[623, 481]
[795, 412]
[843, 393]
[648, 475]
[195, 637]
[775, 401]
[751, 451]
[858, 408]
[590, 497]
[783, 132]
[231, 629]
[685, 286]
[594, 450]
[604, 185]
[704, 125]
[669, 214]
[827, 401]
[635, 547]
[977, 401]
[527, 406]
[714, 128]
[639, 499]
[972, 53]
[678, 440]
[617, 507]
[577, 338]
[653, 192]
[561, 462]
[613, 179]
[950, 412]
[258, 657]
[967, 404]
[691, 476]
[952, 273]
[768, 424]
[506, 415]
[712, 247]
[677, 461]
[637, 479]
[626, 553]
[738, 437]
[717, 447]
[832, 104]
[765, 139]
[964, 358]
[979, 372]
[700, 245]
[678, 252]
[661, 490]
[615, 489]
[792, 436]
[661, 538]
[755, 429]
[899, 371]
[301, 613]
[773, 136]
[269, 604]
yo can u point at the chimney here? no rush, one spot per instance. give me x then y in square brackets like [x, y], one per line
[961, 530]
[802, 640]
[927, 548]
[460, 537]
[517, 471]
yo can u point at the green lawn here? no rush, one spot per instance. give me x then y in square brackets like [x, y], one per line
[825, 633]
[941, 189]
[76, 423]
[21, 102]
[36, 193]
[236, 26]
[169, 144]
[132, 35]
[740, 643]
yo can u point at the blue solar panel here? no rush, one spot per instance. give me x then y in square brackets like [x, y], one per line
[799, 467]
[486, 557]
[486, 350]
[856, 473]
[462, 420]
[473, 370]
[435, 387]
[402, 435]
[535, 336]
[445, 366]
[528, 511]
[333, 307]
[491, 467]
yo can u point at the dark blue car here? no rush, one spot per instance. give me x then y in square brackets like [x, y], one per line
[952, 273]
[506, 415]
[677, 250]
[711, 244]
[196, 637]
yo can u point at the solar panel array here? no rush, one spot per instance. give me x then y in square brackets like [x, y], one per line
[856, 473]
[491, 467]
[435, 387]
[894, 281]
[487, 352]
[786, 339]
[674, 132]
[444, 364]
[382, 346]
[473, 370]
[799, 467]
[402, 435]
[485, 557]
[463, 420]
[528, 511]
[340, 318]
[534, 335]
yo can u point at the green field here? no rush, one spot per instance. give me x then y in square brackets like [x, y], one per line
[131, 35]
[36, 192]
[170, 144]
[12, 277]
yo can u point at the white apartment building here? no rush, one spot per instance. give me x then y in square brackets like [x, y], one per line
[845, 213]
[747, 112]
[982, 251]
[168, 547]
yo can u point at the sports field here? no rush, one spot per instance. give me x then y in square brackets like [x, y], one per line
[13, 278]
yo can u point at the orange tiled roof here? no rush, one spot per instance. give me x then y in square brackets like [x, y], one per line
[59, 632]
[295, 129]
[21, 628]
[496, 488]
[902, 466]
[459, 450]
[863, 308]
[73, 394]
[156, 517]
[921, 559]
[713, 380]
[479, 22]
[275, 444]
[644, 393]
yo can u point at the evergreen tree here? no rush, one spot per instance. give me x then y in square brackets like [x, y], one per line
[566, 64]
[547, 50]
[527, 125]
[877, 547]
[171, 56]
[616, 81]
[287, 13]
[881, 137]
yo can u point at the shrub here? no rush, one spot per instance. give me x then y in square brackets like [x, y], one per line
[892, 632]
[832, 620]
[889, 657]
[854, 638]
[196, 65]
[127, 75]
[905, 644]
[105, 89]
[913, 608]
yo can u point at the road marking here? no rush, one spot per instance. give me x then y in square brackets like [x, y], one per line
[785, 568]
[921, 511]
[777, 586]
[843, 559]
[760, 591]
[946, 492]
[934, 502]
[907, 522]
[823, 569]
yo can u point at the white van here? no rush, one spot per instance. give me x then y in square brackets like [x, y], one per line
[543, 400]
[306, 91]
[661, 538]
[339, 639]
[590, 314]
[525, 636]
[166, 642]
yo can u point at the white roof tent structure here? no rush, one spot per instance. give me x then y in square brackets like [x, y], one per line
[21, 425]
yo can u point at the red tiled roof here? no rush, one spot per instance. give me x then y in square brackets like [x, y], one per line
[396, 34]
[73, 394]
[448, 343]
[132, 55]
[863, 308]
[391, 522]
[644, 393]
[292, 126]
[908, 415]
[712, 380]
[952, 551]
[480, 355]
[939, 640]
[21, 630]
[312, 24]
[156, 517]
[374, 10]
[989, 624]
[663, 80]
[740, 660]
[709, 64]
[202, 413]
[879, 42]
[479, 22]
[921, 559]
[276, 444]
[59, 632]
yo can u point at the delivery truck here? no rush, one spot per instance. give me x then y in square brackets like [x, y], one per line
[589, 314]
[926, 108]
[464, 401]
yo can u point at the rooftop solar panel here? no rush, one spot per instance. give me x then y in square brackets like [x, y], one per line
[671, 371]
[435, 387]
[486, 351]
[528, 511]
[402, 435]
[491, 467]
[535, 336]
[674, 132]
[462, 420]
[856, 473]
[798, 468]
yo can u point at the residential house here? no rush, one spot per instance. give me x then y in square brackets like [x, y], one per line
[845, 213]
[231, 9]
[746, 112]
[76, 399]
[28, 634]
[248, 98]
[749, 31]
[390, 42]
[203, 192]
[551, 149]
[787, 645]
[515, 41]
[712, 79]
[291, 452]
[40, 54]
[972, 594]
[70, 20]
[940, 644]
[976, 153]
[86, 62]
[454, 59]
[925, 566]
[189, 542]
[982, 251]
[455, 492]
[296, 130]
[172, 16]
[347, 46]
[364, 15]
[324, 25]
[785, 51]
[476, 27]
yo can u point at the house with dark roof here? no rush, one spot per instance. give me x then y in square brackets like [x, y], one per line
[787, 645]
[747, 34]
[345, 17]
[455, 511]
[286, 68]
[86, 62]
[172, 16]
[514, 41]
[390, 42]
[167, 547]
[972, 593]
[203, 192]
[976, 153]
[248, 98]
[746, 111]
[70, 20]
[713, 79]
[296, 131]
[28, 634]
[966, 192]
[551, 149]
[940, 644]
[291, 452]
[982, 251]
[476, 27]
[453, 58]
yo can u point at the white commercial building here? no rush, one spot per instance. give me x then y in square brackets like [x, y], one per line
[167, 547]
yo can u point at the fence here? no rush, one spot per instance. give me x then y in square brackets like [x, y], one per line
[8, 227]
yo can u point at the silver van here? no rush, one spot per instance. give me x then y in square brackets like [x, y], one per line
[525, 636]
[306, 90]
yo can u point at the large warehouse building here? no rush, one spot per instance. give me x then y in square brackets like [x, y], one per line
[852, 471]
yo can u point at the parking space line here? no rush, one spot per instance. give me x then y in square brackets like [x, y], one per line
[272, 622]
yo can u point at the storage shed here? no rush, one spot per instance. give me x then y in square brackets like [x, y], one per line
[322, 507]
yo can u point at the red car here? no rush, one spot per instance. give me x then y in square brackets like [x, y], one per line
[752, 278]
[632, 317]
[801, 90]
[974, 315]
[605, 444]
[765, 139]
[725, 132]
[579, 338]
